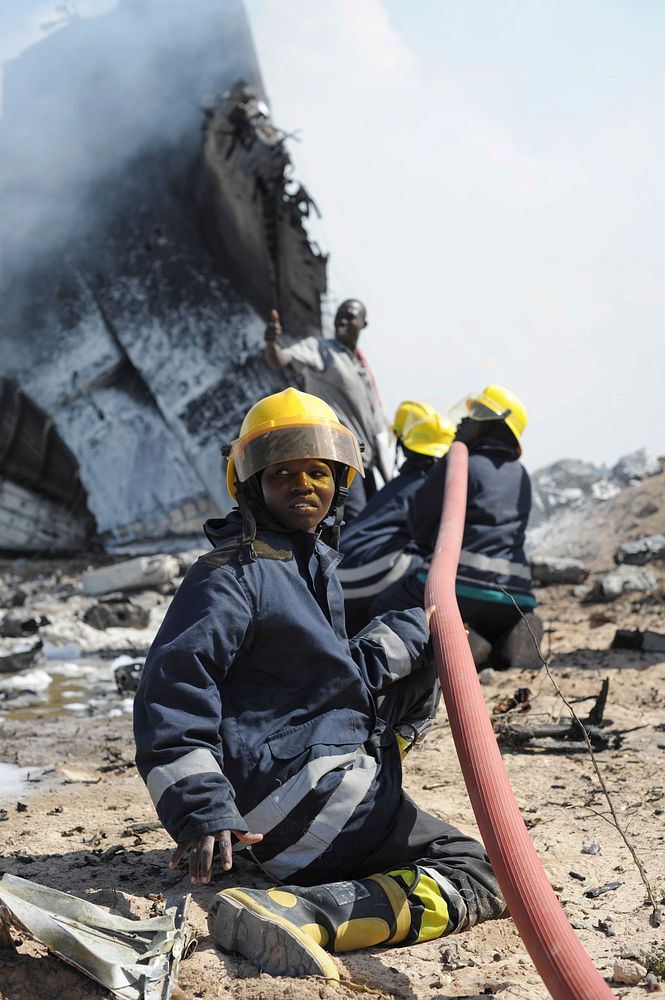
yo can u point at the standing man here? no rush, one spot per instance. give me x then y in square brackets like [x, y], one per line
[336, 370]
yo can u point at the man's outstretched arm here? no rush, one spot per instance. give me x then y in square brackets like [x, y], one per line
[272, 351]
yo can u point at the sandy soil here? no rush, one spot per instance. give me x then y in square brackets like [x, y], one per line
[94, 799]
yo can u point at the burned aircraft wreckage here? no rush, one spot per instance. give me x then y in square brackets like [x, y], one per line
[139, 282]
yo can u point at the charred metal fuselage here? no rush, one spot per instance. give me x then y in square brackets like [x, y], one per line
[134, 319]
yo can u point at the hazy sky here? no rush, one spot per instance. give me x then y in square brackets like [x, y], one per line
[491, 177]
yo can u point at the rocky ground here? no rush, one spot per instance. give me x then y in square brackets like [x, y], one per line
[86, 824]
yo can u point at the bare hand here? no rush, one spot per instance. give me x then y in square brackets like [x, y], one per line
[274, 327]
[201, 851]
[429, 612]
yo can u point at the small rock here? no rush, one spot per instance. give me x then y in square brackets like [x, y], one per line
[641, 551]
[133, 574]
[486, 675]
[637, 465]
[128, 675]
[606, 927]
[647, 642]
[628, 971]
[555, 569]
[12, 597]
[17, 624]
[19, 655]
[651, 983]
[593, 847]
[116, 614]
[623, 580]
[602, 889]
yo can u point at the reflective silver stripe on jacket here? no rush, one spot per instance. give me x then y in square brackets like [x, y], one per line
[494, 564]
[397, 655]
[329, 822]
[400, 567]
[272, 810]
[368, 569]
[198, 761]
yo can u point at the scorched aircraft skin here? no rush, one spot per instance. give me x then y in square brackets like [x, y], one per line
[149, 225]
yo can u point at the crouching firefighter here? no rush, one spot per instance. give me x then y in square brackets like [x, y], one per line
[258, 720]
[377, 547]
[493, 584]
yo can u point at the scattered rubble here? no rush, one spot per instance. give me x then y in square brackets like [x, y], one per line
[572, 483]
[588, 524]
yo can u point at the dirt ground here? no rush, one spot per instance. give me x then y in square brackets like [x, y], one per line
[57, 833]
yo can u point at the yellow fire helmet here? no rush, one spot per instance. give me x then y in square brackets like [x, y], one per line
[410, 408]
[496, 402]
[429, 435]
[285, 426]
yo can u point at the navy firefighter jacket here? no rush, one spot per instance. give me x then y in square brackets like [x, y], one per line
[376, 546]
[497, 511]
[255, 712]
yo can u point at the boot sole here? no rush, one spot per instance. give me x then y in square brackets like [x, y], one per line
[239, 924]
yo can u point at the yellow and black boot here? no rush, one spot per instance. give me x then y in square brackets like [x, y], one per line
[288, 931]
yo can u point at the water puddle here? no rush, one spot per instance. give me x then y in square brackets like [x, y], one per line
[85, 687]
[15, 781]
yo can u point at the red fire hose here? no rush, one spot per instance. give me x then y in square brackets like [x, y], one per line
[558, 955]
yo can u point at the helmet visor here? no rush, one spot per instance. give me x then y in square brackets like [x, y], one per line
[327, 442]
[476, 409]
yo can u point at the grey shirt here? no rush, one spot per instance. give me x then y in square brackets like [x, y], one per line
[336, 374]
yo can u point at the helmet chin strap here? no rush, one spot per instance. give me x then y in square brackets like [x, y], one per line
[251, 490]
[337, 505]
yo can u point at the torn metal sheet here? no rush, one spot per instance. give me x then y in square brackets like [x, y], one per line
[134, 959]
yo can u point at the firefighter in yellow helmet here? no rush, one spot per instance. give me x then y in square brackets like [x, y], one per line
[493, 579]
[409, 410]
[377, 546]
[291, 426]
[256, 720]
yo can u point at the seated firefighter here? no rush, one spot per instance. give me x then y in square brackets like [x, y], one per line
[376, 546]
[493, 583]
[257, 718]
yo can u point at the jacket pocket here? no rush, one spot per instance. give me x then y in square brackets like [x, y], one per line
[335, 729]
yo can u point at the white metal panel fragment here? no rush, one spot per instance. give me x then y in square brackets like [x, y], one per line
[135, 959]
